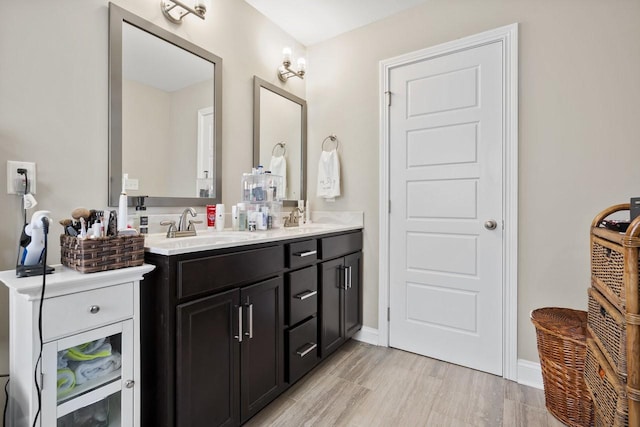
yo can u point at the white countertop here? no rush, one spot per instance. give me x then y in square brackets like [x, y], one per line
[211, 239]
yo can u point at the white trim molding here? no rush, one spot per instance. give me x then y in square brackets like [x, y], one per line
[508, 35]
[367, 335]
[529, 373]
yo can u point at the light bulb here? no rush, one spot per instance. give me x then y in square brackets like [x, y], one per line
[286, 54]
[302, 64]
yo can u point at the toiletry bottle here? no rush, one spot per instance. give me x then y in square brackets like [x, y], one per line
[242, 217]
[220, 217]
[122, 204]
[141, 216]
[211, 216]
[234, 218]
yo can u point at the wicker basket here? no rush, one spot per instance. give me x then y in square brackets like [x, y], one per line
[607, 270]
[608, 329]
[605, 388]
[92, 255]
[561, 335]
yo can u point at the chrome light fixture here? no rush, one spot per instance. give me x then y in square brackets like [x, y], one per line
[175, 10]
[285, 71]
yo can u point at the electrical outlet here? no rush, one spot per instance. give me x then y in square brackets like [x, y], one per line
[15, 181]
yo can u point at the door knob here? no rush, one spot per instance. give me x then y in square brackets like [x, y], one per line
[490, 224]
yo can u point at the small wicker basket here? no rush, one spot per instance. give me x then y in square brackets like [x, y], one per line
[108, 253]
[561, 335]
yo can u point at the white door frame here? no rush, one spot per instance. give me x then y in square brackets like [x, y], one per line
[509, 37]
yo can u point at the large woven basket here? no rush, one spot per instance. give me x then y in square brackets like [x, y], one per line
[561, 335]
[109, 253]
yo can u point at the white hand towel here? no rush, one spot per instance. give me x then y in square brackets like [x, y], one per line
[329, 175]
[278, 166]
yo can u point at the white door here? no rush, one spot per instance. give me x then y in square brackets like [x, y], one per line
[445, 154]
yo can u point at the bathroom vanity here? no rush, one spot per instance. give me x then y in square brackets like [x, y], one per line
[230, 321]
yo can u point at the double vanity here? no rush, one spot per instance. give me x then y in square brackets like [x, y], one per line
[229, 320]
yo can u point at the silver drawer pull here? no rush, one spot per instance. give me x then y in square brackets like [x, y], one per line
[94, 309]
[304, 254]
[303, 353]
[304, 295]
[129, 383]
[239, 336]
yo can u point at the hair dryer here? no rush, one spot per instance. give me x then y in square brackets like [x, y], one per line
[36, 229]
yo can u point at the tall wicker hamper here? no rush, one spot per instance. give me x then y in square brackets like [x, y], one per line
[561, 335]
[614, 275]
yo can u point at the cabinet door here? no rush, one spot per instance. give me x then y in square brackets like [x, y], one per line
[89, 378]
[331, 306]
[207, 354]
[353, 294]
[262, 352]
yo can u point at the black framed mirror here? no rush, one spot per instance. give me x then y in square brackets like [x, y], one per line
[165, 115]
[280, 136]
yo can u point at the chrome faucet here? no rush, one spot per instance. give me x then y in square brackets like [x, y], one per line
[182, 230]
[293, 220]
[182, 224]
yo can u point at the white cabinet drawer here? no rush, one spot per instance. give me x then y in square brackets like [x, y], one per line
[85, 310]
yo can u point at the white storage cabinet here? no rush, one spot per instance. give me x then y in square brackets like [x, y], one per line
[78, 309]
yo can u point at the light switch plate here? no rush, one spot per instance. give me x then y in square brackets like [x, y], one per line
[13, 177]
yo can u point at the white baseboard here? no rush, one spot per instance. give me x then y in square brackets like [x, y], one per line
[368, 335]
[529, 373]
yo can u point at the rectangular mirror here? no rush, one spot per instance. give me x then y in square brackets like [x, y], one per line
[280, 136]
[165, 98]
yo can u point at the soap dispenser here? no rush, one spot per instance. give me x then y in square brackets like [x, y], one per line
[142, 220]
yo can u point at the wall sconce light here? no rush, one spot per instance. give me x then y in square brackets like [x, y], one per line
[285, 71]
[175, 10]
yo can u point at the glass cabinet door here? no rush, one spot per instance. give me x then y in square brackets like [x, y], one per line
[88, 378]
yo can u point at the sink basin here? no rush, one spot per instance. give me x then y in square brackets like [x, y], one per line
[202, 240]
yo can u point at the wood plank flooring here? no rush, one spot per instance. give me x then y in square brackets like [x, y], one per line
[365, 386]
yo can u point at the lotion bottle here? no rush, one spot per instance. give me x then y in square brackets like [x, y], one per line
[122, 205]
[220, 217]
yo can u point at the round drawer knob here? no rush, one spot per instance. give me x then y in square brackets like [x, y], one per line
[129, 383]
[94, 309]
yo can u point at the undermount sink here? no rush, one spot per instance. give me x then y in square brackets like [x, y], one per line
[207, 239]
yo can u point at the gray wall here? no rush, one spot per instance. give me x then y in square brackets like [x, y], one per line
[579, 88]
[54, 102]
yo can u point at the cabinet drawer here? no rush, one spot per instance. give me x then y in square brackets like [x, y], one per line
[302, 294]
[303, 349]
[332, 247]
[198, 276]
[73, 313]
[302, 253]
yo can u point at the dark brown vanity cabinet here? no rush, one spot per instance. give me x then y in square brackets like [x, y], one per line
[340, 290]
[224, 332]
[212, 341]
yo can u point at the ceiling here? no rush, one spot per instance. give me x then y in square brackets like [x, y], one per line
[313, 21]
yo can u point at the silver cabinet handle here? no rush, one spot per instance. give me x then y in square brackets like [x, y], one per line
[93, 309]
[304, 254]
[304, 295]
[239, 336]
[129, 383]
[346, 277]
[311, 346]
[250, 333]
[349, 276]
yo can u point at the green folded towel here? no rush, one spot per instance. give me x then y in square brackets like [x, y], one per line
[66, 381]
[90, 350]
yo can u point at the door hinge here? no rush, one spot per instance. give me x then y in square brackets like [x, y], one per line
[388, 314]
[388, 94]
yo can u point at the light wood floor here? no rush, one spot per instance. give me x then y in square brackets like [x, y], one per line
[365, 385]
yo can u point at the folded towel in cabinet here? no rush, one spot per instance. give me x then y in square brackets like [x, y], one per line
[62, 359]
[329, 175]
[278, 166]
[90, 369]
[90, 350]
[66, 381]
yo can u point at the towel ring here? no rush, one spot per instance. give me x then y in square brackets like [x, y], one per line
[333, 138]
[281, 145]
